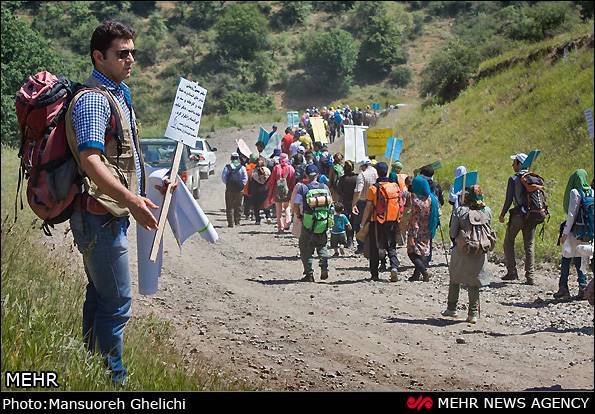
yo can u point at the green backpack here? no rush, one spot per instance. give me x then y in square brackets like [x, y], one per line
[317, 214]
[339, 172]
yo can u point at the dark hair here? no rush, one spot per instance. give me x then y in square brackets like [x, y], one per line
[339, 207]
[287, 130]
[102, 36]
[427, 170]
[298, 159]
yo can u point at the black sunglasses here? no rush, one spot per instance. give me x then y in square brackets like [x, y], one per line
[123, 53]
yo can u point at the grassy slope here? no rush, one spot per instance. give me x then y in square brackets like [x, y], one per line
[535, 105]
[42, 298]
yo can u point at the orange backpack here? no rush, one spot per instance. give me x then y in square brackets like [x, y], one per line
[389, 205]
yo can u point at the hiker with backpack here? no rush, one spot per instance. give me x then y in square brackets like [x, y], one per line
[335, 173]
[247, 201]
[383, 209]
[281, 185]
[577, 233]
[235, 177]
[259, 189]
[365, 179]
[312, 205]
[473, 238]
[520, 219]
[345, 192]
[101, 131]
[423, 223]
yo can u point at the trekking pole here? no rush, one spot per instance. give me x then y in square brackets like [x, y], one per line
[443, 245]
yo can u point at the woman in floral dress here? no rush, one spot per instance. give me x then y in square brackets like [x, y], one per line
[422, 227]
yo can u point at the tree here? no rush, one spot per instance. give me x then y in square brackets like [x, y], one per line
[241, 32]
[70, 23]
[329, 59]
[381, 48]
[449, 71]
[291, 13]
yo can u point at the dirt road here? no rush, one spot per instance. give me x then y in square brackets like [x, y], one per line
[239, 304]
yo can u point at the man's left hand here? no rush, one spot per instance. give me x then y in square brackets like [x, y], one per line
[166, 182]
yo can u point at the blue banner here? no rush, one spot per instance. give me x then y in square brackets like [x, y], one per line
[398, 144]
[470, 179]
[263, 136]
[376, 106]
[530, 158]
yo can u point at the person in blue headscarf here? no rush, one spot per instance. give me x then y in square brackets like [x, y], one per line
[422, 227]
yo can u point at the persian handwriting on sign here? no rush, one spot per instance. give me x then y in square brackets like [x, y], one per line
[186, 113]
[376, 139]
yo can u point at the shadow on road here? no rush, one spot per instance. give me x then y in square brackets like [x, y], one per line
[273, 282]
[537, 303]
[358, 268]
[441, 323]
[350, 282]
[280, 258]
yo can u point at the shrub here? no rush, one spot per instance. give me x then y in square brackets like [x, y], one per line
[539, 21]
[241, 31]
[449, 71]
[401, 76]
[291, 13]
[381, 47]
[329, 59]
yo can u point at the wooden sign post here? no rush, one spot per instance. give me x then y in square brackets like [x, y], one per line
[183, 125]
[392, 153]
[166, 202]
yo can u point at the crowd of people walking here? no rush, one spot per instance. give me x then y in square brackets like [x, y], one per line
[378, 208]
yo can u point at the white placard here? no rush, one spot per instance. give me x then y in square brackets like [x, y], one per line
[589, 118]
[355, 142]
[184, 120]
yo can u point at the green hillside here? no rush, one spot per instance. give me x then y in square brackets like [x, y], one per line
[529, 104]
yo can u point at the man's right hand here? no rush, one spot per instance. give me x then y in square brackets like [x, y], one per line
[355, 210]
[501, 219]
[139, 208]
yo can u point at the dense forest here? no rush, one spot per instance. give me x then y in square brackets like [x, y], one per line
[248, 53]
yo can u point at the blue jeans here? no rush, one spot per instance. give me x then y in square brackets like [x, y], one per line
[565, 272]
[102, 241]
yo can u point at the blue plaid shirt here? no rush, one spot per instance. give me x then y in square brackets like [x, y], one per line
[91, 116]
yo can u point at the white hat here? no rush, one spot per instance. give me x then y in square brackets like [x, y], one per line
[235, 155]
[365, 161]
[520, 157]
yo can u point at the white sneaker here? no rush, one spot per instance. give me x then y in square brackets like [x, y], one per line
[472, 318]
[451, 313]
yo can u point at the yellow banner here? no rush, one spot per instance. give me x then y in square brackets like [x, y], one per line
[376, 139]
[318, 129]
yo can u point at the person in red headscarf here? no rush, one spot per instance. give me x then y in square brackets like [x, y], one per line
[281, 185]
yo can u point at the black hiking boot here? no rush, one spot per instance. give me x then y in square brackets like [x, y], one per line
[308, 278]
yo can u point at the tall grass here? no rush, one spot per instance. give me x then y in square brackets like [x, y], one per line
[42, 297]
[531, 105]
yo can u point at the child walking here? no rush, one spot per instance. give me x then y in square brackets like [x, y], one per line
[338, 232]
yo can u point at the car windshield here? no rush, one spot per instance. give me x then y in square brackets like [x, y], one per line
[199, 146]
[161, 155]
